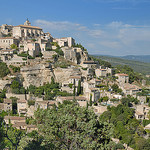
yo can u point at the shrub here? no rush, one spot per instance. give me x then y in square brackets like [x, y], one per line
[3, 70]
[31, 102]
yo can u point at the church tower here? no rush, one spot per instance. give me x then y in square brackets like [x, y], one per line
[27, 23]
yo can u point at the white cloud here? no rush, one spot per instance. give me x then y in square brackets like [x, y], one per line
[116, 37]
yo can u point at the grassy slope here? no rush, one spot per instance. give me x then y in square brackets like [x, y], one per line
[138, 66]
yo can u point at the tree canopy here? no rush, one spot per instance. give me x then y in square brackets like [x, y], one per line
[3, 70]
[71, 127]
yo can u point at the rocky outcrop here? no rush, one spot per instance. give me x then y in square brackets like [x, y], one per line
[63, 74]
[37, 74]
[3, 83]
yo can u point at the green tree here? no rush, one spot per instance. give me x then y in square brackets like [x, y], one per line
[3, 70]
[90, 99]
[13, 46]
[2, 144]
[72, 127]
[79, 88]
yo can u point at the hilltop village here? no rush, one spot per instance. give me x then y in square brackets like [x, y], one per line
[41, 71]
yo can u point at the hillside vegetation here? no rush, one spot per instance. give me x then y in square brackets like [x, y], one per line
[137, 66]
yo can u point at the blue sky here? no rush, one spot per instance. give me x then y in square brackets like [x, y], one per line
[109, 27]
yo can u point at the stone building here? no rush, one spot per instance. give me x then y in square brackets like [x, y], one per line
[130, 89]
[82, 101]
[27, 31]
[89, 64]
[14, 119]
[7, 105]
[6, 42]
[65, 41]
[44, 104]
[142, 99]
[122, 78]
[90, 91]
[22, 107]
[103, 72]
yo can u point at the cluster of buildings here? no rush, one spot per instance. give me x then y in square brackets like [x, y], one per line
[88, 73]
[32, 40]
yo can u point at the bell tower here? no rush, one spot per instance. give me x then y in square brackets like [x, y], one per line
[27, 23]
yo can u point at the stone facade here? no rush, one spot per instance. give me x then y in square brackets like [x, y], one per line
[66, 41]
[22, 107]
[122, 78]
[6, 42]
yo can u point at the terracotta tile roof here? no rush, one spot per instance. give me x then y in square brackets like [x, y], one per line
[75, 77]
[31, 126]
[72, 97]
[7, 101]
[21, 101]
[128, 86]
[46, 102]
[122, 74]
[25, 26]
[19, 124]
[7, 38]
[13, 118]
[89, 62]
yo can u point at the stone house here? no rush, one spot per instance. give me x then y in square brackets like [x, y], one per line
[6, 42]
[90, 91]
[16, 61]
[22, 107]
[89, 64]
[74, 79]
[7, 105]
[122, 78]
[32, 47]
[142, 111]
[14, 119]
[45, 104]
[130, 89]
[70, 54]
[20, 125]
[82, 101]
[6, 54]
[103, 71]
[69, 84]
[139, 115]
[142, 99]
[65, 41]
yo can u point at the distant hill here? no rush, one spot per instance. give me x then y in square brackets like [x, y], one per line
[142, 58]
[138, 66]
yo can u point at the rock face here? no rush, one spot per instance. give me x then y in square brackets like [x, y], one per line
[37, 74]
[76, 55]
[63, 74]
[3, 83]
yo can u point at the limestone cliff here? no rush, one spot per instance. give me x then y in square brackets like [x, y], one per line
[37, 74]
[63, 74]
